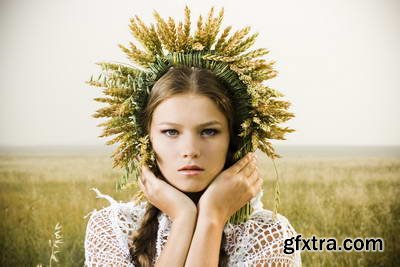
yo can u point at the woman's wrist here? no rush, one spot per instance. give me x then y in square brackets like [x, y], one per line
[211, 221]
[189, 213]
[211, 216]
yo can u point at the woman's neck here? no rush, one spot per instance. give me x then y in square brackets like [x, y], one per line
[195, 196]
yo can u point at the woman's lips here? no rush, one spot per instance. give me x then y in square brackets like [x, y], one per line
[191, 172]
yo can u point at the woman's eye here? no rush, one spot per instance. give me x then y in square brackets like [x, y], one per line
[207, 132]
[170, 132]
[210, 131]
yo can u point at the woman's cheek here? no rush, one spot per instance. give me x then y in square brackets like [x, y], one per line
[160, 147]
[221, 144]
[219, 150]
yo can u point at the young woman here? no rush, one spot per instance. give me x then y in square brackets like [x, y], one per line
[197, 188]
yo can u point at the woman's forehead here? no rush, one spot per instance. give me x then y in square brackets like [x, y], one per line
[188, 109]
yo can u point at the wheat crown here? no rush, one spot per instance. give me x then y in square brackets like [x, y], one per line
[168, 43]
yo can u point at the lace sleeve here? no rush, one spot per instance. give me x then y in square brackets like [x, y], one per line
[103, 242]
[108, 230]
[260, 242]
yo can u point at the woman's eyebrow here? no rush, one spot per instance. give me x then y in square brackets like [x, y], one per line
[200, 125]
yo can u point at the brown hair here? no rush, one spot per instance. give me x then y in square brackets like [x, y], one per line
[180, 80]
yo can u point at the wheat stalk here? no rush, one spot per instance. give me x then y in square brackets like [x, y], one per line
[54, 245]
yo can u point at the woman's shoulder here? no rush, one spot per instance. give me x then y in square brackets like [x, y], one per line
[120, 209]
[126, 214]
[260, 239]
[108, 230]
[266, 219]
[262, 221]
[116, 221]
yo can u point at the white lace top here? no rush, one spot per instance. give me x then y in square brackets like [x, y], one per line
[257, 242]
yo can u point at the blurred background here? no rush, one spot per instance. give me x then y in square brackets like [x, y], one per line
[337, 63]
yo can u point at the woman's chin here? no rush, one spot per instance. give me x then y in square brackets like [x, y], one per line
[190, 186]
[192, 189]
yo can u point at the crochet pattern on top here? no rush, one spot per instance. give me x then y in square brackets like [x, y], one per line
[259, 240]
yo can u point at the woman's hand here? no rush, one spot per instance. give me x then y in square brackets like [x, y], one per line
[231, 190]
[165, 197]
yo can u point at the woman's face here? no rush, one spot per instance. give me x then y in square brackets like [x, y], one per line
[189, 129]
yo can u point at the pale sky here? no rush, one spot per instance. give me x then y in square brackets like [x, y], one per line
[338, 64]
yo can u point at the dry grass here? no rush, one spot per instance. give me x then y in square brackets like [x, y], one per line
[326, 197]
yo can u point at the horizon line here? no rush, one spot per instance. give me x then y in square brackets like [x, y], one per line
[110, 146]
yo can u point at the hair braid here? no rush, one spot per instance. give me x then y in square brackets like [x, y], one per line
[143, 249]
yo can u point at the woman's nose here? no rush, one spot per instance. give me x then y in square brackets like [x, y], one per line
[191, 155]
[190, 148]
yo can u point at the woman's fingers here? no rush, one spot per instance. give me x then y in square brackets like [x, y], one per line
[147, 175]
[238, 166]
[144, 177]
[255, 177]
[255, 182]
[248, 169]
[145, 180]
[141, 185]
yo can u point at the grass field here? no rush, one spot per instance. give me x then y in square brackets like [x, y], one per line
[326, 196]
